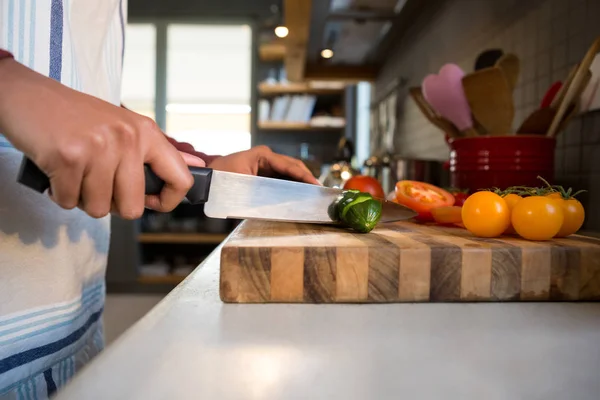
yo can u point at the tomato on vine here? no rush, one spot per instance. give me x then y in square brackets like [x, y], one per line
[486, 214]
[573, 211]
[537, 218]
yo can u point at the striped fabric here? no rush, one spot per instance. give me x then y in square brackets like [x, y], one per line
[53, 261]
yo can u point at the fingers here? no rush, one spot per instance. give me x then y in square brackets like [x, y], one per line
[169, 165]
[192, 160]
[97, 188]
[289, 166]
[128, 198]
[65, 187]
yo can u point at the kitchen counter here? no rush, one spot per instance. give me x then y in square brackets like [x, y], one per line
[193, 346]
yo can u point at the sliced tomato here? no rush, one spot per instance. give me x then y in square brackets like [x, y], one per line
[447, 215]
[422, 197]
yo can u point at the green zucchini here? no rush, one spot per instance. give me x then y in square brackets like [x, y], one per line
[358, 210]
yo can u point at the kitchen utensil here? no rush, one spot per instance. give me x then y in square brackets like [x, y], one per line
[489, 97]
[574, 105]
[446, 95]
[541, 119]
[537, 122]
[550, 94]
[590, 99]
[487, 59]
[341, 171]
[228, 195]
[430, 171]
[573, 89]
[389, 124]
[511, 66]
[265, 262]
[501, 161]
[560, 95]
[442, 123]
[572, 111]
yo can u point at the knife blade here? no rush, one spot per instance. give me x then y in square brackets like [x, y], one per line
[228, 195]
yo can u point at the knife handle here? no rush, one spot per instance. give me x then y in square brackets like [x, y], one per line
[197, 194]
[33, 177]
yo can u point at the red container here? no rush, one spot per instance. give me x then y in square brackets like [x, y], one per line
[501, 161]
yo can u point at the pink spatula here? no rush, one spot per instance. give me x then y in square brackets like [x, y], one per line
[444, 92]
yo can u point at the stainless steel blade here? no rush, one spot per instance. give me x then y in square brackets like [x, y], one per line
[395, 212]
[252, 197]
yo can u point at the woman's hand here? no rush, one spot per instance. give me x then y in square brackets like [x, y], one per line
[92, 151]
[262, 161]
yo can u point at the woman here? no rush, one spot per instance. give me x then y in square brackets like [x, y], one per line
[60, 63]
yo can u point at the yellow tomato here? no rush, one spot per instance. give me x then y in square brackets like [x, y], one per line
[511, 199]
[537, 218]
[574, 216]
[486, 214]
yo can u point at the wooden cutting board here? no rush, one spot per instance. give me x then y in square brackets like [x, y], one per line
[265, 262]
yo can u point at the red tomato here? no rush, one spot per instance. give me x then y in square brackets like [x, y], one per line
[422, 197]
[459, 198]
[424, 216]
[447, 215]
[366, 184]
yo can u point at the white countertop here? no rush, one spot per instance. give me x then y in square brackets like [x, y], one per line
[193, 346]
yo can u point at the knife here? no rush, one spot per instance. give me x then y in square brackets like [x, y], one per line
[238, 196]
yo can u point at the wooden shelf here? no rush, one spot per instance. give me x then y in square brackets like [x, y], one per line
[296, 88]
[204, 238]
[271, 52]
[161, 280]
[295, 126]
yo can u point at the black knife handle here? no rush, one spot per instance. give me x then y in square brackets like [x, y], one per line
[31, 176]
[197, 194]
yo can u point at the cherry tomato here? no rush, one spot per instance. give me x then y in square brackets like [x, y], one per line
[422, 197]
[511, 199]
[459, 198]
[366, 184]
[574, 216]
[424, 216]
[554, 195]
[486, 214]
[447, 215]
[537, 218]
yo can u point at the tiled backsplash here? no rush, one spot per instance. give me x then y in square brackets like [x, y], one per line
[549, 37]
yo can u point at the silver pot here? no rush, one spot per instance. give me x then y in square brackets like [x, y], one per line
[429, 171]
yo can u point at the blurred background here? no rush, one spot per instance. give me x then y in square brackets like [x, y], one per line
[327, 81]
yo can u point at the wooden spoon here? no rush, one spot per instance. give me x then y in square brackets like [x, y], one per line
[578, 80]
[442, 123]
[573, 104]
[538, 122]
[511, 66]
[541, 119]
[489, 96]
[571, 112]
[487, 58]
[560, 95]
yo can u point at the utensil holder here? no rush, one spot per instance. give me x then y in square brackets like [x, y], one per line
[501, 161]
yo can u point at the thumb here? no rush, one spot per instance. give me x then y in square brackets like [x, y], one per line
[191, 160]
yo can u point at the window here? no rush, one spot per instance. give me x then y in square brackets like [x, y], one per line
[138, 89]
[208, 78]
